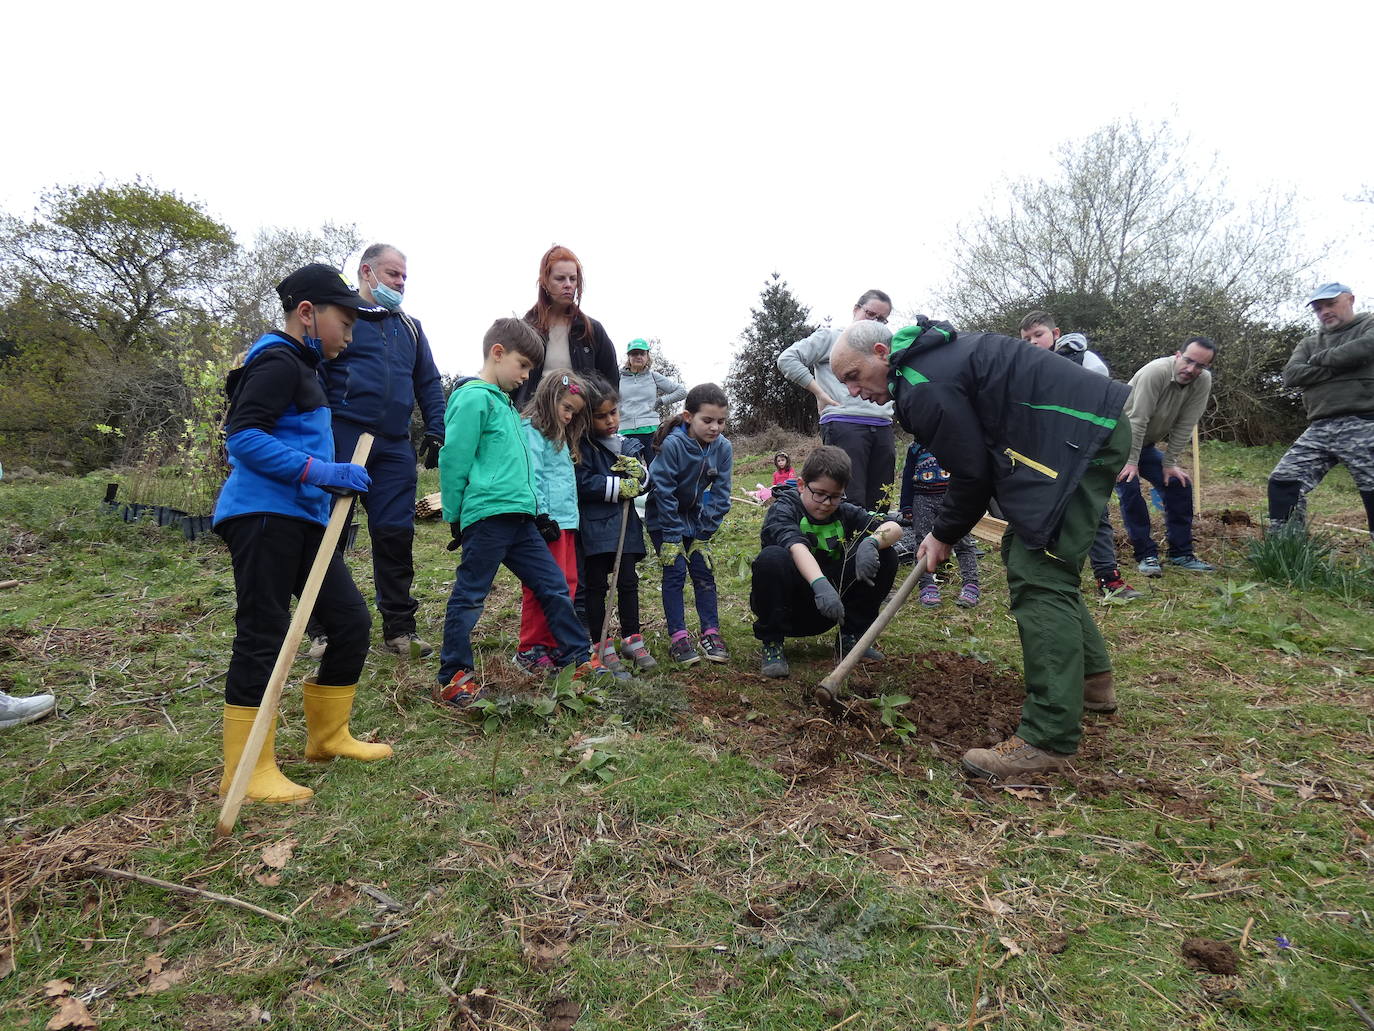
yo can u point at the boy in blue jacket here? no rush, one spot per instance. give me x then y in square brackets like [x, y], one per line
[272, 511]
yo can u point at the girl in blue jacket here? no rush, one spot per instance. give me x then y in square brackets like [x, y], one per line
[610, 476]
[690, 481]
[555, 422]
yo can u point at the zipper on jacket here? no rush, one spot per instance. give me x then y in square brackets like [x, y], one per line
[1016, 456]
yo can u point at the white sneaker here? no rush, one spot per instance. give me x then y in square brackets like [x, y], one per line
[15, 712]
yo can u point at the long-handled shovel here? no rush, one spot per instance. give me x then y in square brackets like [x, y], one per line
[615, 573]
[989, 530]
[271, 698]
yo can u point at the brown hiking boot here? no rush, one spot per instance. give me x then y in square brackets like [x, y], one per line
[1012, 758]
[1098, 693]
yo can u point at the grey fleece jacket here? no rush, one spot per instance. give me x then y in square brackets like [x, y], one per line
[1335, 370]
[809, 360]
[640, 395]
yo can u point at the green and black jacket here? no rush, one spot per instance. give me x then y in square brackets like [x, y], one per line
[787, 524]
[1008, 420]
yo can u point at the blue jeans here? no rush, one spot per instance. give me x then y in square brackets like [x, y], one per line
[675, 580]
[487, 544]
[1178, 509]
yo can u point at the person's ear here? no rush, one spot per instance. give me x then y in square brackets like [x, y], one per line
[305, 311]
[881, 349]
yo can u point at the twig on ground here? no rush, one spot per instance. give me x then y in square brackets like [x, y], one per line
[1245, 934]
[347, 954]
[1359, 1012]
[1168, 1001]
[185, 889]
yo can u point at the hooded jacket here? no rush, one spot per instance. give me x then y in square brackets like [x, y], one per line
[1008, 421]
[555, 482]
[278, 421]
[640, 397]
[598, 495]
[691, 487]
[788, 523]
[484, 465]
[377, 380]
[1335, 370]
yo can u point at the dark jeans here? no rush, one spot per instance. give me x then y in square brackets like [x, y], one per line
[598, 571]
[390, 507]
[272, 556]
[1178, 509]
[784, 605]
[872, 460]
[513, 541]
[674, 583]
[1102, 554]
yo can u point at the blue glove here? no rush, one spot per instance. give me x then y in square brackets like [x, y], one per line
[866, 560]
[338, 477]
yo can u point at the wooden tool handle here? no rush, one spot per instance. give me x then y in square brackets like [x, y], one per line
[836, 680]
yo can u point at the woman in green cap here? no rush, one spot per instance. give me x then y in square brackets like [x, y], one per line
[641, 392]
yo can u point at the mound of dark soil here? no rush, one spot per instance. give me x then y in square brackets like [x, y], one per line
[1212, 956]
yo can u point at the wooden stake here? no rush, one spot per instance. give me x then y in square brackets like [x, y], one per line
[271, 698]
[830, 687]
[615, 573]
[1197, 475]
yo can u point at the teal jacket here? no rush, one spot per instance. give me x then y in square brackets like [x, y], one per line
[555, 480]
[484, 465]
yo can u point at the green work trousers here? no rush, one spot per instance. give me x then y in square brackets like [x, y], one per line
[1060, 643]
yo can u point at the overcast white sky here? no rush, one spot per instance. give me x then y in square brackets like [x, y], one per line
[683, 151]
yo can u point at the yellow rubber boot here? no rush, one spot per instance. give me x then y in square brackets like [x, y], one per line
[326, 725]
[268, 784]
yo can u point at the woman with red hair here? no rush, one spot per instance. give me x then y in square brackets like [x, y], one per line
[572, 340]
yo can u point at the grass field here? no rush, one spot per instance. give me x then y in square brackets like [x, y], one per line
[704, 849]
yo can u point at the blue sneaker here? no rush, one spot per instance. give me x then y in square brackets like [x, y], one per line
[1150, 566]
[1192, 563]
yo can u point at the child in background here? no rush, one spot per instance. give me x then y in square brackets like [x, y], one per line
[486, 475]
[272, 512]
[824, 562]
[610, 475]
[690, 478]
[555, 421]
[782, 469]
[924, 485]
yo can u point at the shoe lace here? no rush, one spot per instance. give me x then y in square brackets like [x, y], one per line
[1011, 744]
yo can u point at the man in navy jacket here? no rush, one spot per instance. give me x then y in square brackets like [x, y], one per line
[1045, 438]
[373, 387]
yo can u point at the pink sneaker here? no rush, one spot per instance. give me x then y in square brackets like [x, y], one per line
[930, 595]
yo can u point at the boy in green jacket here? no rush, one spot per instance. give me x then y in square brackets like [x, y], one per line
[487, 481]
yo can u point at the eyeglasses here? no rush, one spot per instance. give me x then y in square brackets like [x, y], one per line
[872, 315]
[822, 497]
[1189, 363]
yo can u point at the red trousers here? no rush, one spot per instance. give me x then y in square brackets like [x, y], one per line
[534, 629]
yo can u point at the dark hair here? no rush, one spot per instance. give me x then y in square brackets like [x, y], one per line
[543, 311]
[599, 391]
[514, 335]
[827, 461]
[786, 461]
[1039, 318]
[1206, 343]
[701, 394]
[542, 410]
[873, 295]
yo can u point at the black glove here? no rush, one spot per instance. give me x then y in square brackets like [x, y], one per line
[547, 528]
[429, 450]
[457, 530]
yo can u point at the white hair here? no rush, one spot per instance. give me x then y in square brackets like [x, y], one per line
[862, 335]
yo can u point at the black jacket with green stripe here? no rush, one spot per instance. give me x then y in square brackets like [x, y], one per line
[1008, 420]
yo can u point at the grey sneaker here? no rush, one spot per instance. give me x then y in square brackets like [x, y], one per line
[409, 646]
[634, 649]
[15, 712]
[317, 647]
[713, 647]
[1150, 566]
[774, 661]
[1192, 563]
[683, 652]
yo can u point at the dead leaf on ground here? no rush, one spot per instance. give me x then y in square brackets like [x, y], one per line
[561, 1015]
[268, 880]
[61, 986]
[1030, 794]
[278, 855]
[396, 985]
[1306, 793]
[6, 962]
[164, 980]
[155, 928]
[546, 957]
[996, 906]
[1012, 947]
[71, 1012]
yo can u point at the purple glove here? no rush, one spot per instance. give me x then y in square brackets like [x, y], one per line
[337, 477]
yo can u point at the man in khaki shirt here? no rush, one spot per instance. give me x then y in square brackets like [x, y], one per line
[1168, 397]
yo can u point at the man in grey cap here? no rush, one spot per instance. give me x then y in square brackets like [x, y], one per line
[1334, 367]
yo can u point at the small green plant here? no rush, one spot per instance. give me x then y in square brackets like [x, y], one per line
[890, 713]
[564, 696]
[1295, 558]
[592, 762]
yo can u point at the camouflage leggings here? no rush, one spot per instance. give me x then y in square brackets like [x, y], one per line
[1324, 444]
